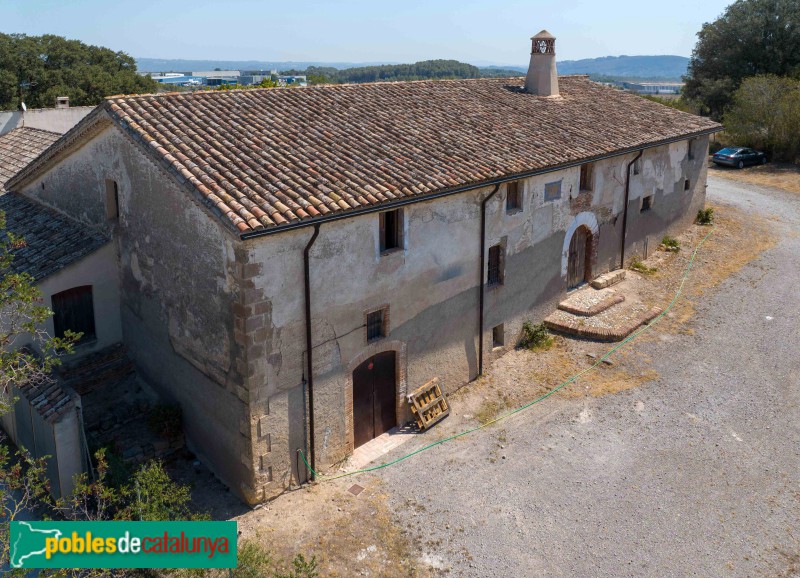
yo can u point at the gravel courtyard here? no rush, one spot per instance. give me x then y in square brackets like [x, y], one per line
[696, 472]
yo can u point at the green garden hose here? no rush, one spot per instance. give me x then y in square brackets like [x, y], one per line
[572, 379]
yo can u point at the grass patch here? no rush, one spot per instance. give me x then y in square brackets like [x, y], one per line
[638, 266]
[705, 216]
[535, 337]
[489, 410]
[670, 244]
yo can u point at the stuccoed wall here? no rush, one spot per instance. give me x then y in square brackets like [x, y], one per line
[431, 287]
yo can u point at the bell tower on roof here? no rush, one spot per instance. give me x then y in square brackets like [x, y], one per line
[542, 78]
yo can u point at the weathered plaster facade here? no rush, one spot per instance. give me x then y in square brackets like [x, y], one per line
[217, 323]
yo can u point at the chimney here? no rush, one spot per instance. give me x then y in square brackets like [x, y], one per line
[62, 102]
[542, 79]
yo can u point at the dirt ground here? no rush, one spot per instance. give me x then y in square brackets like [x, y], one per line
[783, 176]
[359, 535]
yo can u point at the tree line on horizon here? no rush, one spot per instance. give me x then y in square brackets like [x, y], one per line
[424, 70]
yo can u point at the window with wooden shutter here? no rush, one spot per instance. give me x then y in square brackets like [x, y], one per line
[495, 276]
[391, 230]
[73, 310]
[587, 177]
[376, 324]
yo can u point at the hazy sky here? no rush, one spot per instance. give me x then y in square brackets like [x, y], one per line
[367, 30]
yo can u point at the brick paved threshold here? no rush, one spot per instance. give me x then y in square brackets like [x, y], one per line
[572, 325]
[373, 450]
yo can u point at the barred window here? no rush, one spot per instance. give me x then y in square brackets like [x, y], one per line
[495, 276]
[552, 191]
[376, 324]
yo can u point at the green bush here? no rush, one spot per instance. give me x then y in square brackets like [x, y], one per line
[705, 216]
[670, 243]
[535, 337]
[638, 266]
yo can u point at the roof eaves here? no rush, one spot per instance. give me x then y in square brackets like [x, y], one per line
[471, 186]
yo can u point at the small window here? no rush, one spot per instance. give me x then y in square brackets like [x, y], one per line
[495, 265]
[513, 197]
[552, 191]
[690, 149]
[376, 324]
[498, 336]
[73, 310]
[637, 166]
[391, 225]
[112, 200]
[686, 184]
[587, 177]
[647, 203]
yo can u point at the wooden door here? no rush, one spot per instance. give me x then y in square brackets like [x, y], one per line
[576, 269]
[374, 392]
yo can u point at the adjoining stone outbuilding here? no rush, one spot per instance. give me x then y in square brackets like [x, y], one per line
[293, 262]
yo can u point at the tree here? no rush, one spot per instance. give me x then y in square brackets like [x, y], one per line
[36, 69]
[752, 37]
[765, 114]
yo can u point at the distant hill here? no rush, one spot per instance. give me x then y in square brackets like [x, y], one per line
[631, 67]
[663, 68]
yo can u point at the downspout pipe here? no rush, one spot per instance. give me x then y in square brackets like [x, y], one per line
[483, 277]
[625, 208]
[309, 350]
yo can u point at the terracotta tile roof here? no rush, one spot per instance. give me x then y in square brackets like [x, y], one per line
[52, 241]
[266, 158]
[19, 147]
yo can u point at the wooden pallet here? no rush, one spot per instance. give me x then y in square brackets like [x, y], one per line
[428, 404]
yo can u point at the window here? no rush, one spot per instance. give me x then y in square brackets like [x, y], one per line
[587, 177]
[391, 225]
[495, 265]
[686, 184]
[552, 191]
[498, 336]
[647, 203]
[112, 200]
[73, 310]
[637, 166]
[690, 149]
[376, 324]
[513, 197]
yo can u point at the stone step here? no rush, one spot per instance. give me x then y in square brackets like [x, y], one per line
[611, 325]
[589, 302]
[608, 279]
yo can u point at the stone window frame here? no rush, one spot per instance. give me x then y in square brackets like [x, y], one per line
[498, 336]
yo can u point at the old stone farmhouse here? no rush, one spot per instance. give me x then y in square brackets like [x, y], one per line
[292, 262]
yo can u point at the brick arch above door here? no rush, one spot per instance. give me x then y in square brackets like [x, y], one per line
[400, 348]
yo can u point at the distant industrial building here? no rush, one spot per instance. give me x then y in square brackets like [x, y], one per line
[653, 87]
[221, 77]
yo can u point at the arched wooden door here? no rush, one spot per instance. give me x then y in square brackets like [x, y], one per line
[374, 393]
[578, 264]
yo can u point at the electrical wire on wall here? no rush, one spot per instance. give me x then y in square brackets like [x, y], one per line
[541, 398]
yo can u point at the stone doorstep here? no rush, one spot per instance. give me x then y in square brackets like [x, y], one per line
[378, 447]
[608, 279]
[618, 333]
[573, 305]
